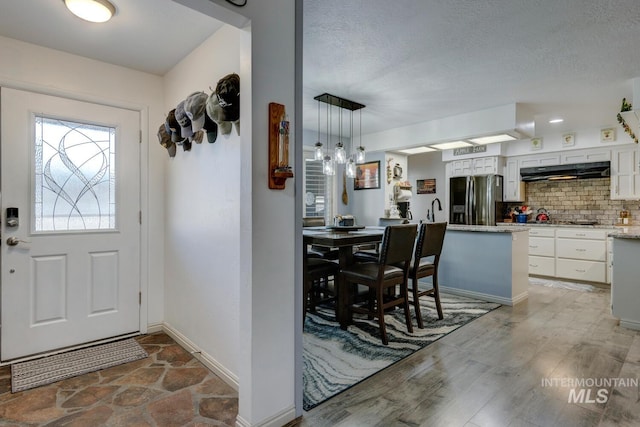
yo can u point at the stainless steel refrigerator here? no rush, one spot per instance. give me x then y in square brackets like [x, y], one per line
[472, 199]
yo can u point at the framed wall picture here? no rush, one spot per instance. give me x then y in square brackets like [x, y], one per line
[568, 139]
[536, 144]
[367, 176]
[426, 186]
[607, 135]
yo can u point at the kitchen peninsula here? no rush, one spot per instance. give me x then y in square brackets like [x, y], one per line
[486, 262]
[625, 289]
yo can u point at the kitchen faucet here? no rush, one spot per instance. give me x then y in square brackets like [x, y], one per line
[433, 211]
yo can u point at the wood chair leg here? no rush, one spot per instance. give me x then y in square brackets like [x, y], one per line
[380, 307]
[416, 303]
[404, 291]
[436, 295]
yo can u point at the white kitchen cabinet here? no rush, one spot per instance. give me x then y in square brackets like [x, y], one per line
[542, 251]
[585, 156]
[581, 254]
[570, 253]
[476, 166]
[513, 187]
[548, 159]
[625, 174]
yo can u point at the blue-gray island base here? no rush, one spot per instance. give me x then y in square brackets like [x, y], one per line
[485, 262]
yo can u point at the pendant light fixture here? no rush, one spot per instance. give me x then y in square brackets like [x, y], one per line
[317, 152]
[340, 153]
[328, 167]
[360, 153]
[350, 168]
[91, 10]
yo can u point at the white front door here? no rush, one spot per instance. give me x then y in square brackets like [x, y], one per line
[70, 202]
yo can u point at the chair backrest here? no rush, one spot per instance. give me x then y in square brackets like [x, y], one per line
[397, 244]
[313, 221]
[430, 240]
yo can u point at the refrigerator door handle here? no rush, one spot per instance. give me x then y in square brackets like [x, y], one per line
[470, 203]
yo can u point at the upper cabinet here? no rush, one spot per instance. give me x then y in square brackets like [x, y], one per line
[549, 159]
[625, 176]
[585, 156]
[477, 166]
[513, 187]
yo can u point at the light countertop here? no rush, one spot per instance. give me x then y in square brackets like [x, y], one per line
[486, 228]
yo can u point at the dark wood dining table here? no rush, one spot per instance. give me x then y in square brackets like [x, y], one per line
[344, 241]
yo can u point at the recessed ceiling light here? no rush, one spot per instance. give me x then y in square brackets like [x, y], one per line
[493, 138]
[91, 10]
[417, 150]
[556, 120]
[450, 145]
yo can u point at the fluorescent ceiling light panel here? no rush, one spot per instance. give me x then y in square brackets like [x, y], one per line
[417, 150]
[556, 120]
[451, 145]
[492, 138]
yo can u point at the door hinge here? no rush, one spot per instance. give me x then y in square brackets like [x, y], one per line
[140, 217]
[139, 298]
[140, 136]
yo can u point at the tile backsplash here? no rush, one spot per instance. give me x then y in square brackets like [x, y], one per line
[581, 199]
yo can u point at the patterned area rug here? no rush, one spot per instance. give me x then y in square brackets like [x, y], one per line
[335, 360]
[38, 372]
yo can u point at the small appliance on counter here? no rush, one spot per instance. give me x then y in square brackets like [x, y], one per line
[542, 216]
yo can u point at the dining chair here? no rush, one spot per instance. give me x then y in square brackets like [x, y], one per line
[315, 251]
[318, 289]
[426, 259]
[391, 269]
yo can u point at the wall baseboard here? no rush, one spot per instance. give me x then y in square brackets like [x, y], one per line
[206, 359]
[486, 297]
[280, 419]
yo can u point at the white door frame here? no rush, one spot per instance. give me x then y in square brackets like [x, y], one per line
[143, 111]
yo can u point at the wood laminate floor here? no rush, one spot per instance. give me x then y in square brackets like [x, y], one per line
[491, 372]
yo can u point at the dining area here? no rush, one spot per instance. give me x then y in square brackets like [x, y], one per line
[371, 270]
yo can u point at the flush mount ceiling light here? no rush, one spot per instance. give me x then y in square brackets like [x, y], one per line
[503, 137]
[556, 120]
[91, 10]
[417, 150]
[450, 145]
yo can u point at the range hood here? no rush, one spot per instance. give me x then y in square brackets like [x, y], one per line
[563, 172]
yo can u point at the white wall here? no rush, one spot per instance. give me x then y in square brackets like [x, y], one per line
[270, 236]
[202, 216]
[425, 166]
[39, 69]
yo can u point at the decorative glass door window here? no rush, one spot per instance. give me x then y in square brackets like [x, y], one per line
[74, 176]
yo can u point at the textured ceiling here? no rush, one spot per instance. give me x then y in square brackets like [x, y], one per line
[408, 61]
[413, 61]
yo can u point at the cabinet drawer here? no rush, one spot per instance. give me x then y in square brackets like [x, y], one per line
[542, 232]
[589, 250]
[590, 271]
[542, 266]
[581, 233]
[542, 246]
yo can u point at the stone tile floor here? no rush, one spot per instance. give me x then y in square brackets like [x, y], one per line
[168, 388]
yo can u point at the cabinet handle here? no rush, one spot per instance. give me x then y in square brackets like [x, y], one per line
[533, 265]
[533, 246]
[580, 250]
[580, 271]
[580, 234]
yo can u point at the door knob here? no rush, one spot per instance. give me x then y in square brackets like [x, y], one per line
[13, 241]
